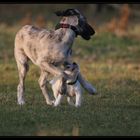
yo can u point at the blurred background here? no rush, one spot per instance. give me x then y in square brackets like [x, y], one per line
[113, 16]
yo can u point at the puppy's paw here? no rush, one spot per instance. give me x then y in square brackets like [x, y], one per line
[55, 104]
[77, 105]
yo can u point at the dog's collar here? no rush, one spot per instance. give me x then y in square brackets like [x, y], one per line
[61, 25]
[72, 83]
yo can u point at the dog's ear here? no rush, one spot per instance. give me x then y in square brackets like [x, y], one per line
[90, 29]
[70, 12]
[87, 32]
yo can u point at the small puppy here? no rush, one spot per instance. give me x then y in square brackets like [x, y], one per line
[72, 86]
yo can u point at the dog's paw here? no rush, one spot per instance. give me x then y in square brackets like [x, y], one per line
[50, 102]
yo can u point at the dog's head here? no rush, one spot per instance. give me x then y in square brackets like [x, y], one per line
[75, 18]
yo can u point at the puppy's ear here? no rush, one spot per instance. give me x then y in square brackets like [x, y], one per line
[74, 63]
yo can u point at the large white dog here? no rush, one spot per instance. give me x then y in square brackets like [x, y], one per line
[49, 49]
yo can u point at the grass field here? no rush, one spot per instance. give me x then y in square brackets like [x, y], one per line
[110, 63]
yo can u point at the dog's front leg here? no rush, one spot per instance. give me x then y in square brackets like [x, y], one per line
[42, 82]
[55, 71]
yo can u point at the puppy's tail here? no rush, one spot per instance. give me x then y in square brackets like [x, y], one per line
[86, 85]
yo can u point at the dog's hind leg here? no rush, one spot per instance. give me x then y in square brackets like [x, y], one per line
[22, 64]
[42, 82]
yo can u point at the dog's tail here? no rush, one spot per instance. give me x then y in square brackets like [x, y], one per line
[86, 85]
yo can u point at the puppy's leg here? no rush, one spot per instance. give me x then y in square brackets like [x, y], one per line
[58, 100]
[78, 100]
[42, 83]
[78, 93]
[70, 101]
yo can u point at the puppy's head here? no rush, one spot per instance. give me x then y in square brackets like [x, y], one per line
[72, 71]
[76, 18]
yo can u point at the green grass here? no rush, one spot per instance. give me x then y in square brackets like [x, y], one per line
[110, 63]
